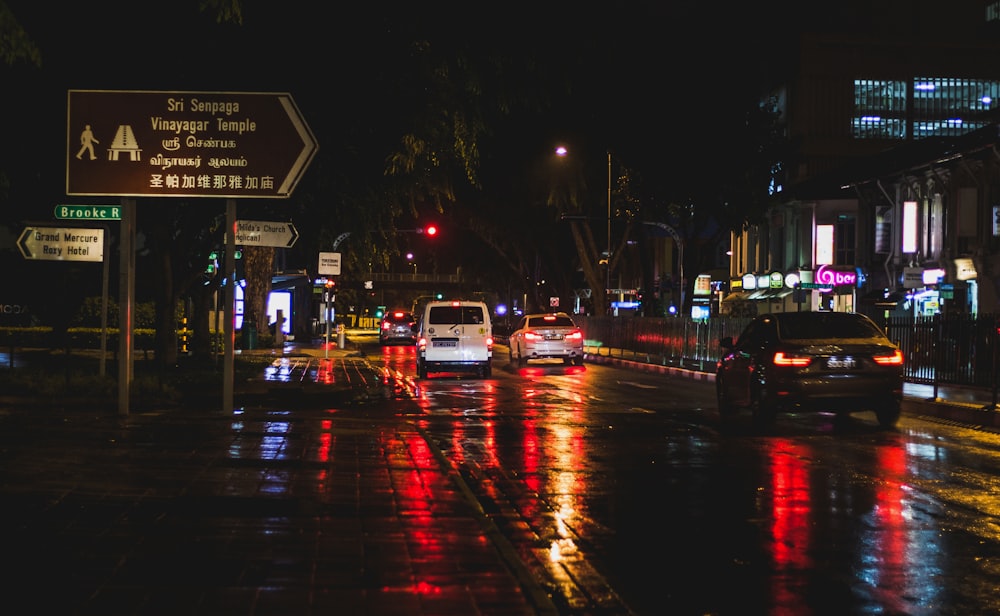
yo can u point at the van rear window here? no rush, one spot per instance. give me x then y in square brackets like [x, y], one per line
[449, 315]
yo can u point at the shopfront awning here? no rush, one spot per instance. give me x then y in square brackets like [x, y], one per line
[882, 299]
[736, 296]
[770, 293]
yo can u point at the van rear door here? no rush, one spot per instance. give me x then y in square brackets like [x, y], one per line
[457, 333]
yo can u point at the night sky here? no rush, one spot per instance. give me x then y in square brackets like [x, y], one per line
[661, 81]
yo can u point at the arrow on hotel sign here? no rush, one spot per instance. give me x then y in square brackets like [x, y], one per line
[265, 233]
[62, 244]
[185, 144]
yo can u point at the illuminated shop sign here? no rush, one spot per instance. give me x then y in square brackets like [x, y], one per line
[909, 227]
[829, 276]
[703, 285]
[965, 269]
[932, 276]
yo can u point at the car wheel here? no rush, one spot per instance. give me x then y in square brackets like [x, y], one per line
[761, 410]
[510, 354]
[568, 361]
[487, 371]
[726, 408]
[578, 360]
[421, 370]
[888, 413]
[522, 361]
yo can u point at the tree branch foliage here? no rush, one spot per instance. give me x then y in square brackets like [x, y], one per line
[15, 43]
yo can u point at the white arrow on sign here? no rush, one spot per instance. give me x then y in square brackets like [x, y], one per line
[265, 233]
[185, 144]
[61, 244]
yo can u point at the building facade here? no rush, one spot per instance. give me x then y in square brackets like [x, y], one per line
[891, 201]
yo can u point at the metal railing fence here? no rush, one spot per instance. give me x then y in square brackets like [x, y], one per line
[942, 349]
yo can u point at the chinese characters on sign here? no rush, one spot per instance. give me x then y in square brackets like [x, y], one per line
[194, 144]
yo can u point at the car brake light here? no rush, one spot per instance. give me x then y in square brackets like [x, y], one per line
[896, 359]
[385, 325]
[798, 361]
[489, 342]
[530, 335]
[577, 335]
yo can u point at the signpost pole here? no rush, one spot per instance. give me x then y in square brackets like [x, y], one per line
[126, 295]
[230, 306]
[104, 304]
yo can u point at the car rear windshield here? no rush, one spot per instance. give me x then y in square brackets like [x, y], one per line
[551, 321]
[447, 315]
[817, 325]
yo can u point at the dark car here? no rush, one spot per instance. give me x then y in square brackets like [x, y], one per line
[398, 326]
[839, 362]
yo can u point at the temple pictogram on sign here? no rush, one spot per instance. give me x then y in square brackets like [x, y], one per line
[124, 141]
[185, 144]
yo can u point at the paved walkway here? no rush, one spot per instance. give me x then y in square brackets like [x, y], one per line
[258, 511]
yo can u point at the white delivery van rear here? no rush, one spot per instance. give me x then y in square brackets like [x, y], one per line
[455, 336]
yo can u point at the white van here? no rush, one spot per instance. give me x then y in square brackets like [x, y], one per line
[455, 335]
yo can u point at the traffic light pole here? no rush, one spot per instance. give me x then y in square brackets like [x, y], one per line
[229, 336]
[328, 297]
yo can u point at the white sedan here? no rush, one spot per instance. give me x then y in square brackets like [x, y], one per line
[546, 336]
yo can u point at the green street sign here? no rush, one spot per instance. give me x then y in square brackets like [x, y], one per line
[88, 212]
[815, 285]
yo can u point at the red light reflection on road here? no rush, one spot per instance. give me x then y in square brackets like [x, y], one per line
[415, 488]
[886, 564]
[324, 371]
[541, 370]
[400, 358]
[531, 455]
[790, 510]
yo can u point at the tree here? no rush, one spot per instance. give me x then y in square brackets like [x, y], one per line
[258, 265]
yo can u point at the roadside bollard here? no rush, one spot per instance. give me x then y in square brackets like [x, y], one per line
[341, 342]
[183, 335]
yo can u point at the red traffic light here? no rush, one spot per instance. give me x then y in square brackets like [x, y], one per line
[330, 283]
[430, 230]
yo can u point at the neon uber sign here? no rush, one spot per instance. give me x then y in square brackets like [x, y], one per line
[826, 275]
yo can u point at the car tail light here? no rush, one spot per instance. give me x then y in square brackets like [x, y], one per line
[531, 335]
[576, 335]
[489, 343]
[797, 361]
[385, 325]
[896, 359]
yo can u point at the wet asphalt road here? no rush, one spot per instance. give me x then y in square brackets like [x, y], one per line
[530, 493]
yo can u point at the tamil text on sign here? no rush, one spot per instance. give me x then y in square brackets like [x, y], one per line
[185, 144]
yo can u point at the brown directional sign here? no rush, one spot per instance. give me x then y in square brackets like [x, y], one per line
[185, 144]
